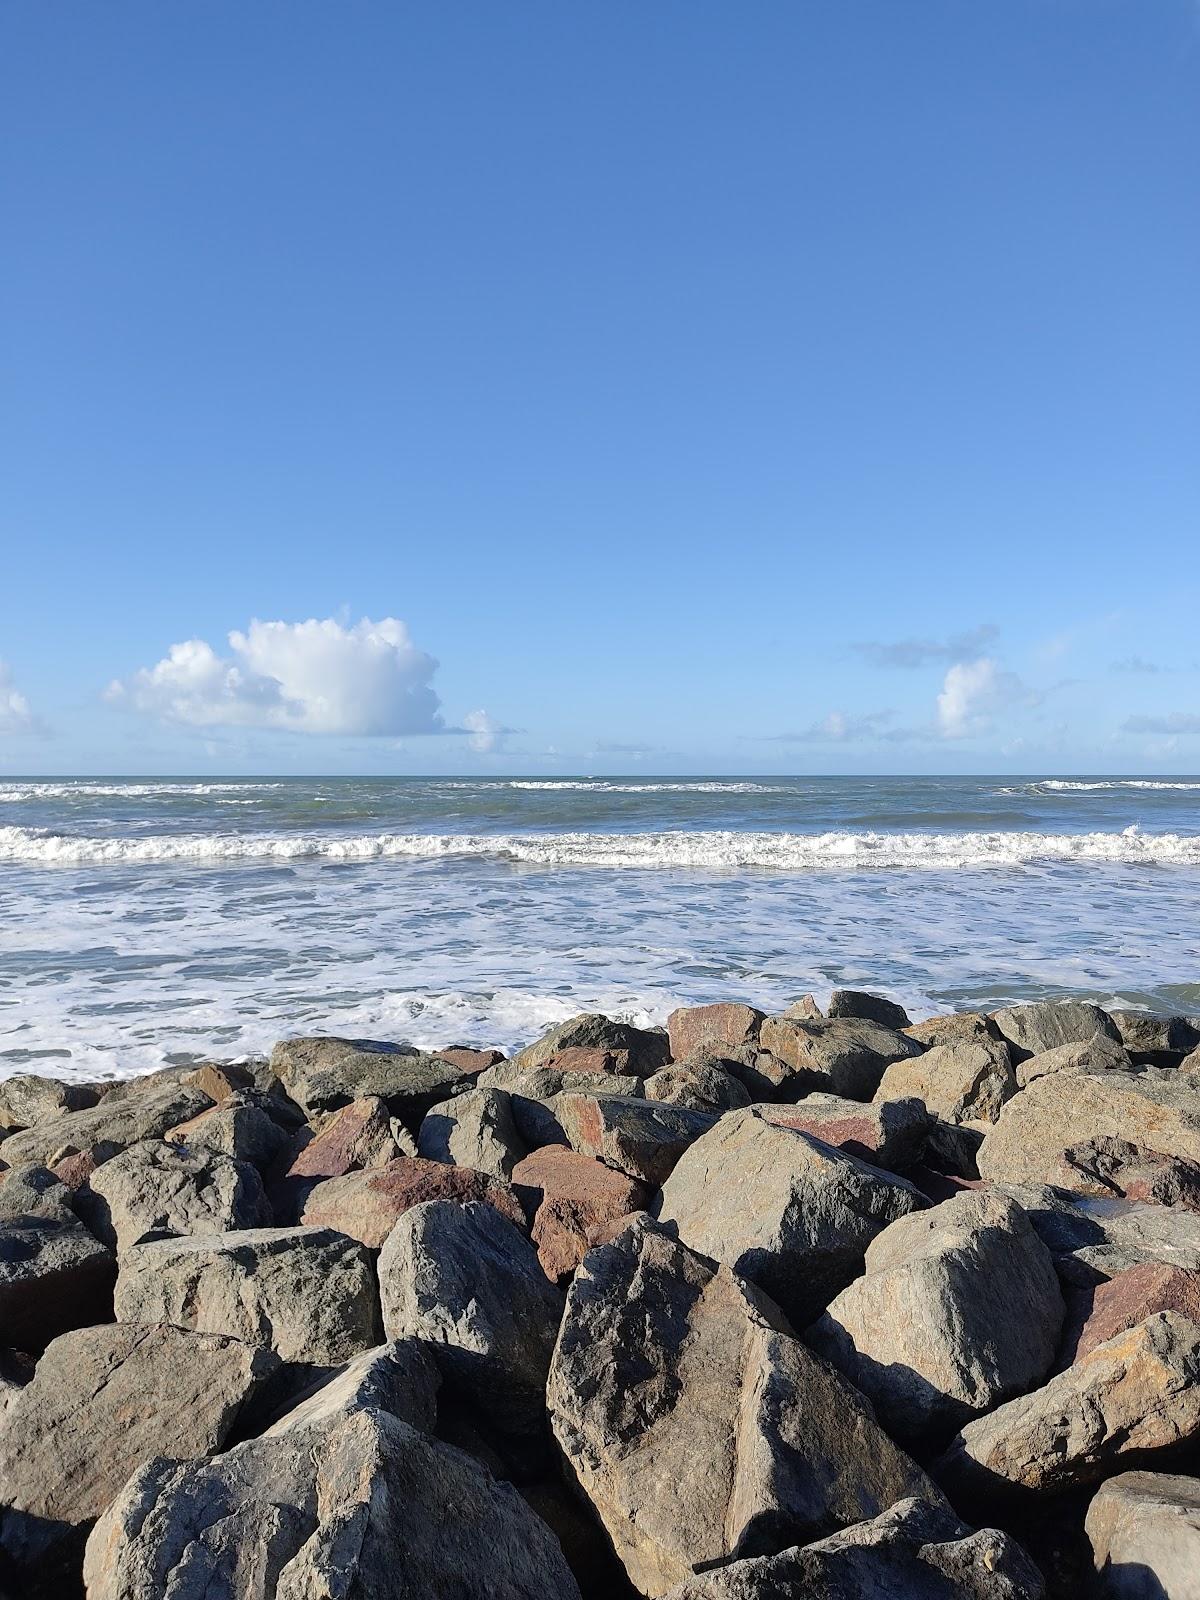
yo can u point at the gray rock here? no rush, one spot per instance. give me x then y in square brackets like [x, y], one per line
[785, 1210]
[324, 1073]
[100, 1402]
[870, 1007]
[475, 1129]
[642, 1138]
[54, 1276]
[1137, 1395]
[245, 1125]
[1155, 1041]
[701, 1083]
[27, 1099]
[698, 1427]
[841, 1055]
[1097, 1054]
[398, 1378]
[359, 1505]
[162, 1188]
[953, 1028]
[32, 1191]
[966, 1081]
[890, 1134]
[914, 1551]
[467, 1286]
[1094, 1239]
[958, 1310]
[307, 1293]
[129, 1113]
[1030, 1029]
[1144, 1529]
[649, 1048]
[533, 1096]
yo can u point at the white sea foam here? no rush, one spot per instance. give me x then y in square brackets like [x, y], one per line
[719, 850]
[19, 793]
[1059, 785]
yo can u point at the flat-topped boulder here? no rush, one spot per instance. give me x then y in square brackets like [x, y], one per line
[1097, 1054]
[1044, 1024]
[323, 1073]
[367, 1205]
[642, 1138]
[1093, 1239]
[690, 1028]
[54, 1276]
[870, 1007]
[889, 1134]
[1144, 1530]
[1156, 1041]
[787, 1211]
[959, 1309]
[26, 1099]
[102, 1401]
[840, 1055]
[952, 1028]
[307, 1293]
[129, 1113]
[699, 1428]
[576, 1202]
[474, 1129]
[646, 1049]
[155, 1187]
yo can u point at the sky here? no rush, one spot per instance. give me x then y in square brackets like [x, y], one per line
[670, 387]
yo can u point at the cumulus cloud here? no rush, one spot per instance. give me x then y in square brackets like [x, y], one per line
[486, 734]
[972, 692]
[911, 653]
[16, 715]
[301, 677]
[1175, 722]
[839, 727]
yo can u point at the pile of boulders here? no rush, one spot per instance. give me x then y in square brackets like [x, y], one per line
[816, 1304]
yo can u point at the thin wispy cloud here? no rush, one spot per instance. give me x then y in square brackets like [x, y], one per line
[1175, 722]
[839, 727]
[1134, 664]
[912, 653]
[16, 714]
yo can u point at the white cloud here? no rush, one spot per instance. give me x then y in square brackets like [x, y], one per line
[303, 677]
[839, 727]
[973, 691]
[16, 716]
[912, 653]
[486, 733]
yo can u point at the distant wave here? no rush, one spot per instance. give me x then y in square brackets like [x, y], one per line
[605, 786]
[1057, 785]
[17, 793]
[773, 852]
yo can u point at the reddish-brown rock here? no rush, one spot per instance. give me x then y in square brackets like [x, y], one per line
[359, 1135]
[576, 1203]
[891, 1135]
[1109, 1166]
[727, 1023]
[76, 1169]
[470, 1061]
[1134, 1295]
[365, 1205]
[219, 1079]
[584, 1058]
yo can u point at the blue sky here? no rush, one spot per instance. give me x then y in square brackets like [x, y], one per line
[678, 386]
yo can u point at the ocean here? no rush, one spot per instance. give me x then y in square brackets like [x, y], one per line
[151, 921]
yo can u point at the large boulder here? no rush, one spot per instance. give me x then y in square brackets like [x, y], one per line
[958, 1310]
[698, 1427]
[642, 1138]
[1156, 1041]
[1093, 1239]
[1097, 1054]
[129, 1113]
[870, 1007]
[367, 1205]
[357, 1505]
[702, 1082]
[966, 1081]
[1144, 1529]
[1130, 1297]
[726, 1023]
[577, 1061]
[323, 1073]
[533, 1096]
[466, 1285]
[576, 1202]
[952, 1028]
[475, 1129]
[1155, 1108]
[785, 1210]
[101, 1401]
[1031, 1029]
[307, 1293]
[840, 1055]
[361, 1135]
[914, 1551]
[648, 1048]
[1109, 1166]
[26, 1099]
[54, 1276]
[1136, 1395]
[162, 1188]
[242, 1125]
[33, 1191]
[890, 1134]
[398, 1378]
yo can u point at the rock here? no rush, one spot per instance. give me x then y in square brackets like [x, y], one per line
[890, 1134]
[1030, 1029]
[842, 1055]
[1094, 1239]
[367, 1205]
[576, 1202]
[241, 1126]
[692, 1027]
[323, 1074]
[54, 1276]
[870, 1007]
[74, 1170]
[589, 1553]
[469, 1061]
[31, 1191]
[1144, 1529]
[100, 1402]
[914, 1551]
[649, 1048]
[128, 1114]
[642, 1138]
[1155, 1041]
[533, 1097]
[958, 1310]
[398, 1378]
[953, 1029]
[702, 1083]
[306, 1293]
[475, 1129]
[1097, 1054]
[1154, 1107]
[219, 1079]
[967, 1081]
[806, 1006]
[577, 1062]
[466, 1284]
[1108, 1166]
[155, 1187]
[787, 1211]
[359, 1136]
[359, 1505]
[699, 1428]
[1138, 1394]
[27, 1099]
[1129, 1298]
